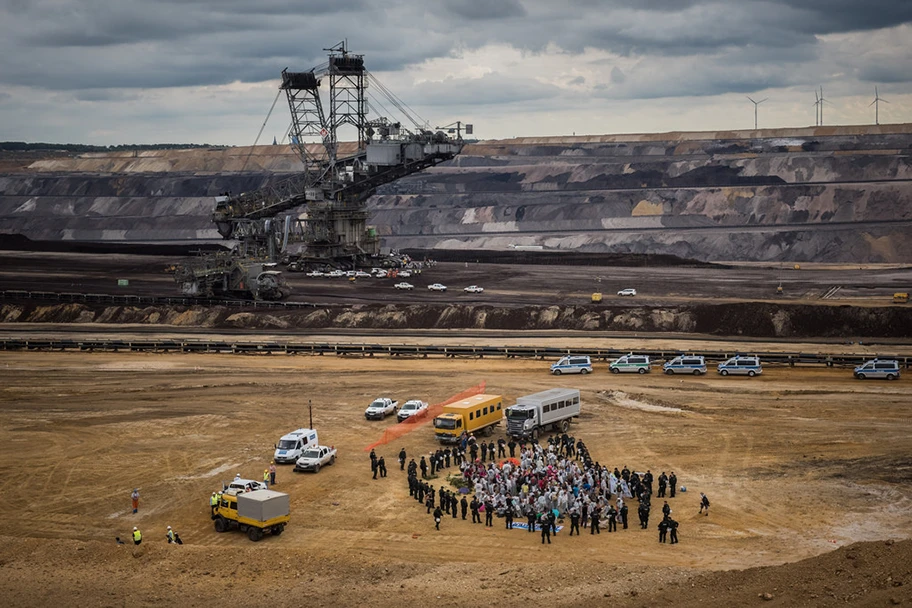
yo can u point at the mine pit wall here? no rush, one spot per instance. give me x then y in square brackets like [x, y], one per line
[750, 319]
[833, 194]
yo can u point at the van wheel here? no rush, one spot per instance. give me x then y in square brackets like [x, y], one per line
[564, 425]
[254, 534]
[861, 376]
[585, 371]
[220, 524]
[891, 377]
[751, 373]
[642, 370]
[697, 372]
[557, 372]
[669, 372]
[615, 370]
[724, 372]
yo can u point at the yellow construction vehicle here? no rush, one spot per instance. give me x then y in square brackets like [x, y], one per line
[255, 513]
[900, 298]
[596, 297]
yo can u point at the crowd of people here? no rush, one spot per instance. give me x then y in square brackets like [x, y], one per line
[542, 484]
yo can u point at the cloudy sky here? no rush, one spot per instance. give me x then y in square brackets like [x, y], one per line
[153, 71]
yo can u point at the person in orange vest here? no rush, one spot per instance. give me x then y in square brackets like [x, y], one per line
[135, 498]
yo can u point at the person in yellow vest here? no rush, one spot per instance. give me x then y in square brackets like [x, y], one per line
[170, 535]
[213, 501]
[266, 477]
[137, 536]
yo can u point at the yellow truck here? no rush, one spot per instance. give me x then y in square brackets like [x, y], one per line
[478, 414]
[900, 298]
[255, 513]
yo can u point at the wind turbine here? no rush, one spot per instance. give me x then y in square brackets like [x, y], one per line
[756, 103]
[816, 108]
[876, 105]
[822, 101]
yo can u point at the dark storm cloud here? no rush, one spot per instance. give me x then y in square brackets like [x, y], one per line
[105, 44]
[480, 10]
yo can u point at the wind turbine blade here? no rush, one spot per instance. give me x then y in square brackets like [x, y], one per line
[762, 100]
[749, 97]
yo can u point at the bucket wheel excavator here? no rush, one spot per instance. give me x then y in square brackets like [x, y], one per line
[322, 211]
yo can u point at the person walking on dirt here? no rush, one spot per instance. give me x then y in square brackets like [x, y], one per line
[272, 472]
[213, 502]
[137, 536]
[704, 504]
[594, 520]
[643, 511]
[135, 498]
[623, 514]
[663, 482]
[464, 505]
[381, 466]
[374, 466]
[501, 448]
[170, 535]
[489, 513]
[266, 478]
[663, 530]
[666, 510]
[545, 524]
[424, 468]
[672, 484]
[673, 529]
[612, 519]
[438, 515]
[512, 446]
[476, 518]
[402, 457]
[484, 452]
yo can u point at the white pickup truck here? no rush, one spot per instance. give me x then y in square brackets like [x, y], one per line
[381, 408]
[412, 408]
[314, 458]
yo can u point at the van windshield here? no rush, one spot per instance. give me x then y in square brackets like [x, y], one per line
[287, 444]
[444, 423]
[518, 414]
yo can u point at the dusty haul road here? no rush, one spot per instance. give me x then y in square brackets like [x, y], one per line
[796, 462]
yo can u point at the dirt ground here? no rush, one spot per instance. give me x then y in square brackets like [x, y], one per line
[797, 463]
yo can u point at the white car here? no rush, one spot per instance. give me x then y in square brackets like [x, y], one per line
[405, 274]
[350, 273]
[315, 457]
[412, 408]
[362, 275]
[335, 273]
[627, 292]
[474, 289]
[437, 287]
[404, 285]
[314, 273]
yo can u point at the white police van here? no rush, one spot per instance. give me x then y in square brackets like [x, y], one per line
[572, 364]
[878, 368]
[291, 446]
[686, 364]
[741, 365]
[631, 363]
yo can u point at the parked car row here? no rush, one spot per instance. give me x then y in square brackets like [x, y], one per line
[438, 287]
[382, 407]
[377, 273]
[739, 365]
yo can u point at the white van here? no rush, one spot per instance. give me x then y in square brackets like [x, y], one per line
[686, 364]
[631, 363]
[290, 446]
[878, 368]
[741, 365]
[572, 364]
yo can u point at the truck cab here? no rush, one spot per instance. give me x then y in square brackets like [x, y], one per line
[291, 446]
[479, 413]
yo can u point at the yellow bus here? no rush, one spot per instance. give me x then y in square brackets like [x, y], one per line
[478, 414]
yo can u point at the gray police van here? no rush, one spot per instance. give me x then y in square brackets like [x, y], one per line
[741, 365]
[572, 364]
[637, 364]
[686, 364]
[878, 368]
